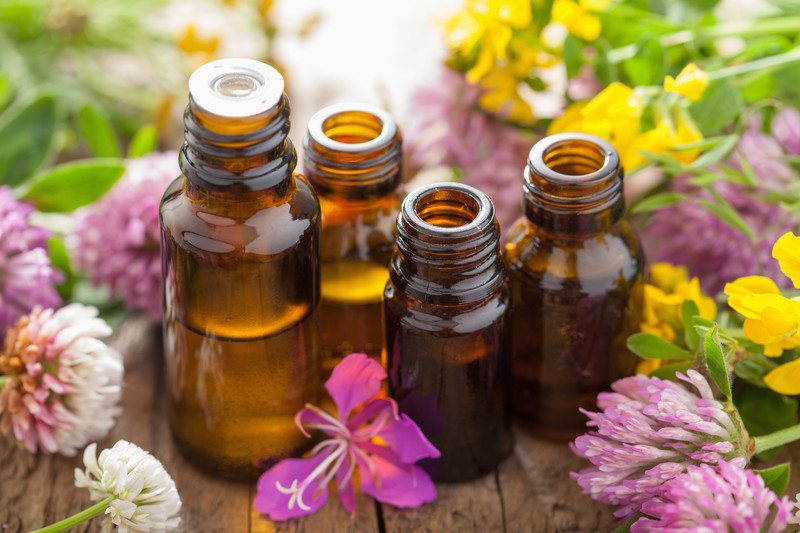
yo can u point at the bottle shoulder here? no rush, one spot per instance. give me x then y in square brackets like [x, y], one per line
[262, 226]
[614, 252]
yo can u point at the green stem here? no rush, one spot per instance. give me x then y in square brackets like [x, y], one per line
[769, 26]
[764, 63]
[3, 380]
[779, 438]
[87, 514]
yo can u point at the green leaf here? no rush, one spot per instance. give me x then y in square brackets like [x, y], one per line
[726, 213]
[763, 411]
[572, 55]
[98, 132]
[625, 527]
[59, 256]
[26, 137]
[775, 478]
[72, 185]
[720, 105]
[715, 360]
[668, 371]
[144, 141]
[703, 144]
[6, 90]
[716, 154]
[689, 310]
[651, 347]
[647, 66]
[604, 70]
[657, 201]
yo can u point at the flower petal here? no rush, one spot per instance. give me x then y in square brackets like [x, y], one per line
[787, 251]
[785, 379]
[291, 488]
[354, 381]
[395, 483]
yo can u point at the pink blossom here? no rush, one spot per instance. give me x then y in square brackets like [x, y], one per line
[60, 383]
[117, 240]
[27, 277]
[786, 129]
[647, 431]
[375, 441]
[722, 499]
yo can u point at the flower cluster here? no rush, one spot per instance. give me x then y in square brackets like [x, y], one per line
[770, 318]
[647, 431]
[141, 495]
[718, 252]
[60, 383]
[617, 114]
[374, 443]
[27, 277]
[117, 240]
[725, 498]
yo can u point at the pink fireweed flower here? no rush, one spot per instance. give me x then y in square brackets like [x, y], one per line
[375, 443]
[27, 277]
[59, 383]
[647, 432]
[117, 241]
[725, 498]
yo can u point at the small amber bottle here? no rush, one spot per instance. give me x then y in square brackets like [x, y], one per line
[445, 307]
[240, 248]
[353, 158]
[576, 268]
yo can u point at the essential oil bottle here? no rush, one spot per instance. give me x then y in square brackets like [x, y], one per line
[240, 248]
[576, 268]
[353, 158]
[445, 308]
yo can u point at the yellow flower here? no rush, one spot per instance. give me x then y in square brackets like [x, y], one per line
[787, 251]
[488, 25]
[500, 95]
[191, 42]
[690, 83]
[577, 17]
[771, 319]
[785, 379]
[669, 287]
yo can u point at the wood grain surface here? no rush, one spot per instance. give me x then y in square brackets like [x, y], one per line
[530, 491]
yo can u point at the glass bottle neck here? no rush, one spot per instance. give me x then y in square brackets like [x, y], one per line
[573, 185]
[448, 245]
[234, 156]
[353, 152]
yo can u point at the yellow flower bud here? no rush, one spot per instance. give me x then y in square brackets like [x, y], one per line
[785, 379]
[787, 251]
[690, 83]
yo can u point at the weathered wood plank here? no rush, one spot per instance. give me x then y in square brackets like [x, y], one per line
[474, 506]
[538, 494]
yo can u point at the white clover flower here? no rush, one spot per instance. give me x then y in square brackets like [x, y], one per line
[141, 494]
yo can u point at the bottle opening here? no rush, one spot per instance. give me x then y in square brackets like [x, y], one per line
[352, 128]
[447, 208]
[577, 157]
[236, 88]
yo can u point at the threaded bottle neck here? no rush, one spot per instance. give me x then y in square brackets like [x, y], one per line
[236, 128]
[448, 245]
[573, 184]
[353, 152]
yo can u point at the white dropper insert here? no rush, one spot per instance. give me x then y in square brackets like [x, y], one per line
[236, 87]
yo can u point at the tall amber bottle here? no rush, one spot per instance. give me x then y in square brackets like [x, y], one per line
[576, 267]
[240, 248]
[353, 157]
[445, 307]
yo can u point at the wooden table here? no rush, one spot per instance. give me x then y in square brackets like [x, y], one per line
[530, 491]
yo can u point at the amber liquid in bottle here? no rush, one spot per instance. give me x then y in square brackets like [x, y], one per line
[576, 268]
[240, 238]
[353, 157]
[445, 307]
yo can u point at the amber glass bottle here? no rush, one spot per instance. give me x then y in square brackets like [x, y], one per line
[576, 267]
[240, 248]
[445, 307]
[353, 157]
